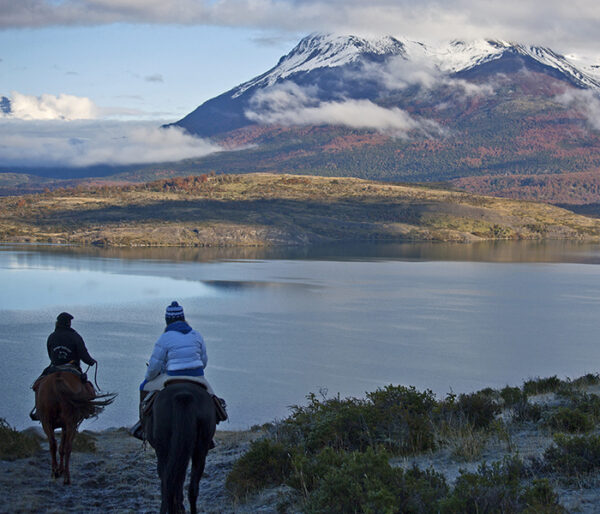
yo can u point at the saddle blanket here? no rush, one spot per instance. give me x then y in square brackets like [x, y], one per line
[158, 383]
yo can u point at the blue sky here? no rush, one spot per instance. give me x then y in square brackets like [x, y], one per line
[135, 71]
[91, 80]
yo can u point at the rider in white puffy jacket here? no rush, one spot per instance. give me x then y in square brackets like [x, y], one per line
[180, 350]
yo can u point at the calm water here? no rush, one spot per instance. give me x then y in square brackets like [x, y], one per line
[280, 324]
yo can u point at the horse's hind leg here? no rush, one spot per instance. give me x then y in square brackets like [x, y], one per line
[66, 446]
[161, 459]
[198, 463]
[52, 444]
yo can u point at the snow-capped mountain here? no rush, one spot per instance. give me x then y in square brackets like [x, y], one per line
[330, 51]
[460, 56]
[325, 51]
[320, 51]
[336, 66]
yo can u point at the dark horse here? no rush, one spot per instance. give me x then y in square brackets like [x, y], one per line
[180, 428]
[63, 401]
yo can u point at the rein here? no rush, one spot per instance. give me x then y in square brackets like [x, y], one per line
[95, 375]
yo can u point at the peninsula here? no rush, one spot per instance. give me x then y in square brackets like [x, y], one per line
[262, 209]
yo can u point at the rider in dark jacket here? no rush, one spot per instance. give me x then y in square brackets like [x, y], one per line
[65, 347]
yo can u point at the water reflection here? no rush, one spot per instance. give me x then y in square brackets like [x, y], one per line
[487, 251]
[291, 321]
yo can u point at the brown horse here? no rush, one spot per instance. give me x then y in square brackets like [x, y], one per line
[63, 401]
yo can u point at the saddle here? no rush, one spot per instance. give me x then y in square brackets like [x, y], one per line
[220, 405]
[69, 368]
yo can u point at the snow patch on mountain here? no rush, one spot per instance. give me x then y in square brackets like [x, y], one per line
[324, 51]
[461, 55]
[329, 51]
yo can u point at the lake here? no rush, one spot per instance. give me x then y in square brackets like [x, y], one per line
[282, 323]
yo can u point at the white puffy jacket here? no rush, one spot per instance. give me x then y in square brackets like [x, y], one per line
[175, 351]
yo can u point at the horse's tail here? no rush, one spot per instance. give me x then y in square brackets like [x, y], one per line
[100, 401]
[83, 406]
[182, 444]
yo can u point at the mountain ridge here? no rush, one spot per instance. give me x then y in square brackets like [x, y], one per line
[338, 66]
[463, 113]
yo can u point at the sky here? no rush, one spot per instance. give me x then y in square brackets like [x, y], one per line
[91, 80]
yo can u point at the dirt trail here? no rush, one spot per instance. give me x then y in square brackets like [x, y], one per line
[119, 477]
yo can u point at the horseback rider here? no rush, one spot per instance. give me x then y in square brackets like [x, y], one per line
[66, 350]
[180, 351]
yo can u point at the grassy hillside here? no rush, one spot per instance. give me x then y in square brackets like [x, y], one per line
[266, 209]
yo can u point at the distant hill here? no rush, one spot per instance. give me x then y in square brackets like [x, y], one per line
[269, 210]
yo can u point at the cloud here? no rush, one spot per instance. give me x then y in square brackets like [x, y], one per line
[555, 23]
[51, 107]
[87, 143]
[288, 104]
[156, 77]
[70, 108]
[586, 102]
[398, 74]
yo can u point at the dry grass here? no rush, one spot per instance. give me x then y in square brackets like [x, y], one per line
[267, 209]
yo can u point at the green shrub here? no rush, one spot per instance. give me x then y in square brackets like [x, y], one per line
[512, 396]
[15, 444]
[588, 403]
[265, 464]
[542, 385]
[396, 417]
[308, 470]
[479, 408]
[498, 488]
[404, 418]
[566, 419]
[540, 498]
[573, 455]
[525, 411]
[587, 380]
[365, 482]
[494, 488]
[336, 423]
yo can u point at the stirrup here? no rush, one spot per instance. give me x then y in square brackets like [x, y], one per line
[221, 408]
[137, 431]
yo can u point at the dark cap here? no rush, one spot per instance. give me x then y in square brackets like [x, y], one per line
[64, 319]
[174, 312]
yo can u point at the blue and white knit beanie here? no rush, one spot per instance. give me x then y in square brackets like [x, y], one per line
[174, 312]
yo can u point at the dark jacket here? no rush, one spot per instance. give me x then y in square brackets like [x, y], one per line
[66, 345]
